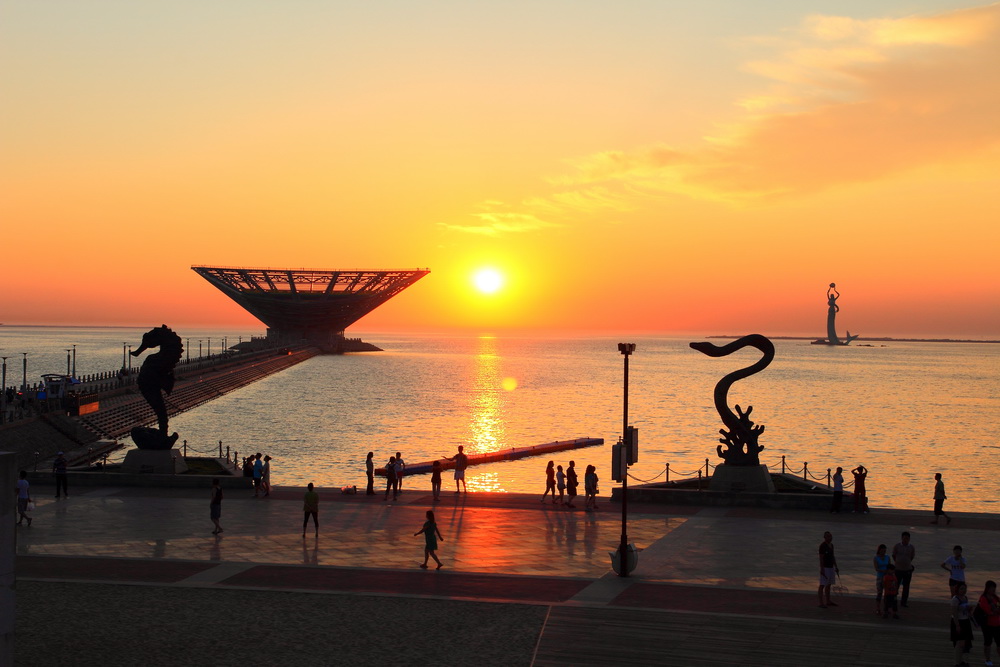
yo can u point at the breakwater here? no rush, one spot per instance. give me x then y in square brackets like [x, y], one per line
[122, 408]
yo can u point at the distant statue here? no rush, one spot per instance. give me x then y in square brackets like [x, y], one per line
[156, 376]
[741, 437]
[831, 315]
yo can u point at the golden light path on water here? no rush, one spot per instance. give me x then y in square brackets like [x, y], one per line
[486, 426]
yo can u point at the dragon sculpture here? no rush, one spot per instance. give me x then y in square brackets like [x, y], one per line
[156, 376]
[741, 436]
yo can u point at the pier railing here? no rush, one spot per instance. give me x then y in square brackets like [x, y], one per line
[705, 471]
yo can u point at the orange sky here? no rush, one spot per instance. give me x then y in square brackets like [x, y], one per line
[648, 166]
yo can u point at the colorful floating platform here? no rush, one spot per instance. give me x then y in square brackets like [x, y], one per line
[511, 454]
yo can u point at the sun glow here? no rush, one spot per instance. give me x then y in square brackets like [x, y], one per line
[488, 281]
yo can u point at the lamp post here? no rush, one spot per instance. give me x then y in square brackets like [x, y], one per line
[3, 393]
[626, 349]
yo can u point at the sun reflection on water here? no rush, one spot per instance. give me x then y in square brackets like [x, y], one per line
[487, 425]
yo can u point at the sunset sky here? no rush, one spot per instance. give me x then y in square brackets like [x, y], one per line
[635, 166]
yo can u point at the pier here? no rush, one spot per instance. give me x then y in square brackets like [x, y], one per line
[120, 406]
[510, 454]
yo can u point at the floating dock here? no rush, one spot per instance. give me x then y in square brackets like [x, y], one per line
[511, 454]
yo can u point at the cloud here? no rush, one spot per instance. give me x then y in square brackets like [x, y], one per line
[495, 221]
[842, 101]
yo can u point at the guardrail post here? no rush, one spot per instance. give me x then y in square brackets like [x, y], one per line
[185, 448]
[782, 464]
[220, 449]
[668, 472]
[805, 470]
[706, 467]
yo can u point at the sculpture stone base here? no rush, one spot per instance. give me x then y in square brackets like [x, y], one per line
[156, 461]
[151, 438]
[755, 479]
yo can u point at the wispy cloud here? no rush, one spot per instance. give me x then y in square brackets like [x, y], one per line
[843, 101]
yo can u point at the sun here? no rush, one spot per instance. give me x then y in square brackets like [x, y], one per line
[488, 281]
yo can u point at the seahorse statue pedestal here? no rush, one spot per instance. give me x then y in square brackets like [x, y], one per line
[154, 461]
[736, 479]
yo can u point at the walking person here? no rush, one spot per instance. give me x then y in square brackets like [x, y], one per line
[310, 508]
[266, 476]
[939, 498]
[590, 488]
[860, 498]
[59, 470]
[571, 484]
[461, 463]
[23, 497]
[955, 565]
[838, 491]
[961, 625]
[561, 483]
[400, 469]
[436, 480]
[902, 555]
[988, 613]
[881, 563]
[431, 536]
[390, 479]
[550, 481]
[370, 471]
[215, 506]
[828, 570]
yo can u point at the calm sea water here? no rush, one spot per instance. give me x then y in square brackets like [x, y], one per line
[904, 410]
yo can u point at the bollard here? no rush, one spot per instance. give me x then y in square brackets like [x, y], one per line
[828, 477]
[805, 470]
[699, 479]
[782, 464]
[220, 449]
[185, 449]
[706, 467]
[668, 473]
[227, 452]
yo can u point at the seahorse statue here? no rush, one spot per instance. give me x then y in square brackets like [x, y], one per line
[741, 436]
[155, 376]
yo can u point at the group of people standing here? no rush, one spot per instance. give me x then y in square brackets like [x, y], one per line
[566, 483]
[395, 471]
[860, 492]
[258, 468]
[893, 574]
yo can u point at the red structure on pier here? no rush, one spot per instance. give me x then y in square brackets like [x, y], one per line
[315, 305]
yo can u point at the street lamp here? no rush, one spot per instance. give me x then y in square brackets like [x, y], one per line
[626, 349]
[3, 393]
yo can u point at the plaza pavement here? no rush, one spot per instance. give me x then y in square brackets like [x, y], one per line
[131, 574]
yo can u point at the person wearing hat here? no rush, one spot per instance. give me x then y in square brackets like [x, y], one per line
[59, 470]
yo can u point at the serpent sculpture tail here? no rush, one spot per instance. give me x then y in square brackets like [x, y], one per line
[155, 376]
[741, 436]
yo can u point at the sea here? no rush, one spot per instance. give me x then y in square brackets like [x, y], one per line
[904, 410]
